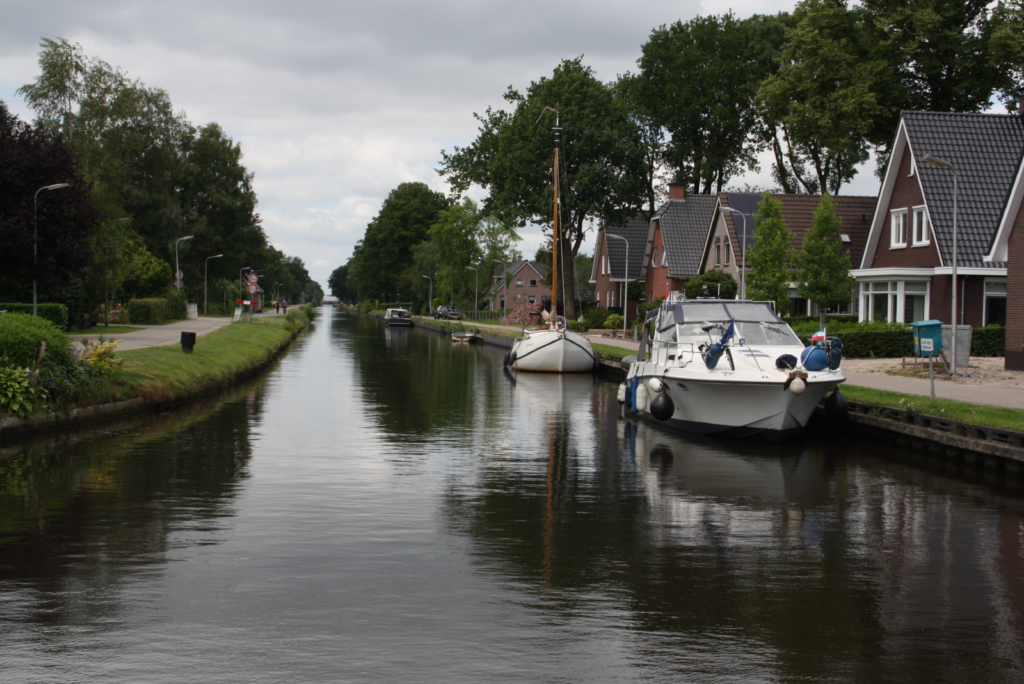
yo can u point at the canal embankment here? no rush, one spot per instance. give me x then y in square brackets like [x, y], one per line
[156, 378]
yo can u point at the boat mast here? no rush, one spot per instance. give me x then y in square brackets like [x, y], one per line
[554, 239]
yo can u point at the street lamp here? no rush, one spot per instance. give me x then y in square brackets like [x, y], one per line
[430, 297]
[476, 288]
[743, 252]
[35, 236]
[504, 285]
[206, 268]
[625, 297]
[177, 271]
[943, 164]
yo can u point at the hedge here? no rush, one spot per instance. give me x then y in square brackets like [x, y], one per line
[53, 312]
[988, 341]
[147, 311]
[880, 344]
[830, 319]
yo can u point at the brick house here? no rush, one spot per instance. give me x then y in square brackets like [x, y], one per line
[609, 272]
[906, 271]
[723, 249]
[526, 284]
[675, 240]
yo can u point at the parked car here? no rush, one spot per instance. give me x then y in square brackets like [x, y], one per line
[453, 315]
[441, 312]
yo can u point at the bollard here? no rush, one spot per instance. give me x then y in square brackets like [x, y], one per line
[188, 341]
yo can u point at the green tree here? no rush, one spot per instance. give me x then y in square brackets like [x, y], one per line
[601, 169]
[770, 258]
[632, 91]
[385, 251]
[699, 79]
[338, 282]
[823, 266]
[827, 92]
[719, 283]
[1008, 50]
[455, 234]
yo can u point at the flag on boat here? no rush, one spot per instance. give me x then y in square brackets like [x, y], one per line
[818, 336]
[728, 335]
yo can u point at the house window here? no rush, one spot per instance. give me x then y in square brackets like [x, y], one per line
[519, 282]
[995, 302]
[664, 259]
[728, 250]
[531, 299]
[922, 229]
[915, 295]
[898, 232]
[604, 264]
[903, 302]
[533, 282]
[654, 259]
[610, 299]
[718, 251]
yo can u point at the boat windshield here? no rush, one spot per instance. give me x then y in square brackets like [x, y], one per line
[755, 323]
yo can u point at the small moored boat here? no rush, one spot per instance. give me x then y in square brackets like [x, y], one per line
[397, 317]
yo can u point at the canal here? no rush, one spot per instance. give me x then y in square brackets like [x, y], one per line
[383, 506]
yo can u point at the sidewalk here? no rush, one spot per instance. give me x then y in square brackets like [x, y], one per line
[159, 335]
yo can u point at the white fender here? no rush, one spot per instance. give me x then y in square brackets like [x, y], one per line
[656, 385]
[641, 397]
[621, 395]
[798, 386]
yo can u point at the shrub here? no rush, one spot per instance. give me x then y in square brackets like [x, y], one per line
[100, 356]
[866, 344]
[22, 335]
[830, 320]
[578, 326]
[19, 392]
[51, 311]
[988, 341]
[176, 301]
[642, 309]
[147, 311]
[713, 278]
[595, 317]
[613, 322]
[309, 310]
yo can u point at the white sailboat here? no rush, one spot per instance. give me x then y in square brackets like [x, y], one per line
[552, 348]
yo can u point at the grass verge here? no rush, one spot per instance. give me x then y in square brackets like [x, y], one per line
[975, 414]
[107, 330]
[608, 351]
[166, 374]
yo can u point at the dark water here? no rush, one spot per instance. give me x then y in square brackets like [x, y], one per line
[386, 507]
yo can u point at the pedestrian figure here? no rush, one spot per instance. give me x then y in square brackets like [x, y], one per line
[277, 306]
[284, 305]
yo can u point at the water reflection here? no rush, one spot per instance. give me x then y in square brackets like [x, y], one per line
[387, 506]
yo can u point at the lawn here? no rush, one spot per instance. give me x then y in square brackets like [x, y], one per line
[975, 414]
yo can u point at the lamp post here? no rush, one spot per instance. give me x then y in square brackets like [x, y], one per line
[35, 236]
[625, 290]
[743, 252]
[504, 285]
[430, 297]
[206, 269]
[943, 164]
[476, 288]
[177, 270]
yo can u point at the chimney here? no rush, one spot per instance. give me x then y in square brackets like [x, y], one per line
[676, 191]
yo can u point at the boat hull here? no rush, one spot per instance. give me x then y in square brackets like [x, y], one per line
[399, 322]
[734, 408]
[552, 351]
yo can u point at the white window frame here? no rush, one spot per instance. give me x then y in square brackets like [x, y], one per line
[533, 282]
[728, 251]
[664, 258]
[718, 251]
[897, 299]
[654, 259]
[896, 217]
[919, 213]
[519, 282]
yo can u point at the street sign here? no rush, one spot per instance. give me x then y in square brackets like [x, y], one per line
[243, 301]
[927, 344]
[253, 289]
[253, 278]
[180, 275]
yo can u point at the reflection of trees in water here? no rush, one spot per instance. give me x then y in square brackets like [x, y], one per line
[413, 382]
[79, 518]
[811, 556]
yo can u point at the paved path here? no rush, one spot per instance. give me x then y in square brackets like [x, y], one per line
[163, 335]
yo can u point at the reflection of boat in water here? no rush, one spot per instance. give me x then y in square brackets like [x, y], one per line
[727, 367]
[397, 317]
[398, 336]
[465, 338]
[548, 393]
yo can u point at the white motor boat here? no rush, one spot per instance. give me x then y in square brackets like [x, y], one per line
[729, 367]
[397, 317]
[552, 349]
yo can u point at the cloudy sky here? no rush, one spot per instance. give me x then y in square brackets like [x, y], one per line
[336, 103]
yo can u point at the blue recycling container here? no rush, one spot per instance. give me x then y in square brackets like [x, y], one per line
[927, 330]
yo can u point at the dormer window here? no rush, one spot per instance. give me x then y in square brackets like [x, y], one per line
[898, 229]
[922, 227]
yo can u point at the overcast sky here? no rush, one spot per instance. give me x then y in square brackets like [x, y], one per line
[336, 103]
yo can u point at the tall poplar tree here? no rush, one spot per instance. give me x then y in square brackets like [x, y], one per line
[823, 266]
[770, 260]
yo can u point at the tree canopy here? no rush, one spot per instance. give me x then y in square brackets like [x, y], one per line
[823, 266]
[770, 259]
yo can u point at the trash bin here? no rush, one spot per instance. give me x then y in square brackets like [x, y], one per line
[188, 341]
[963, 344]
[927, 330]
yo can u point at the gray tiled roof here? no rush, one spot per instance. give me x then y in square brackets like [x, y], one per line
[684, 229]
[986, 151]
[635, 230]
[541, 268]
